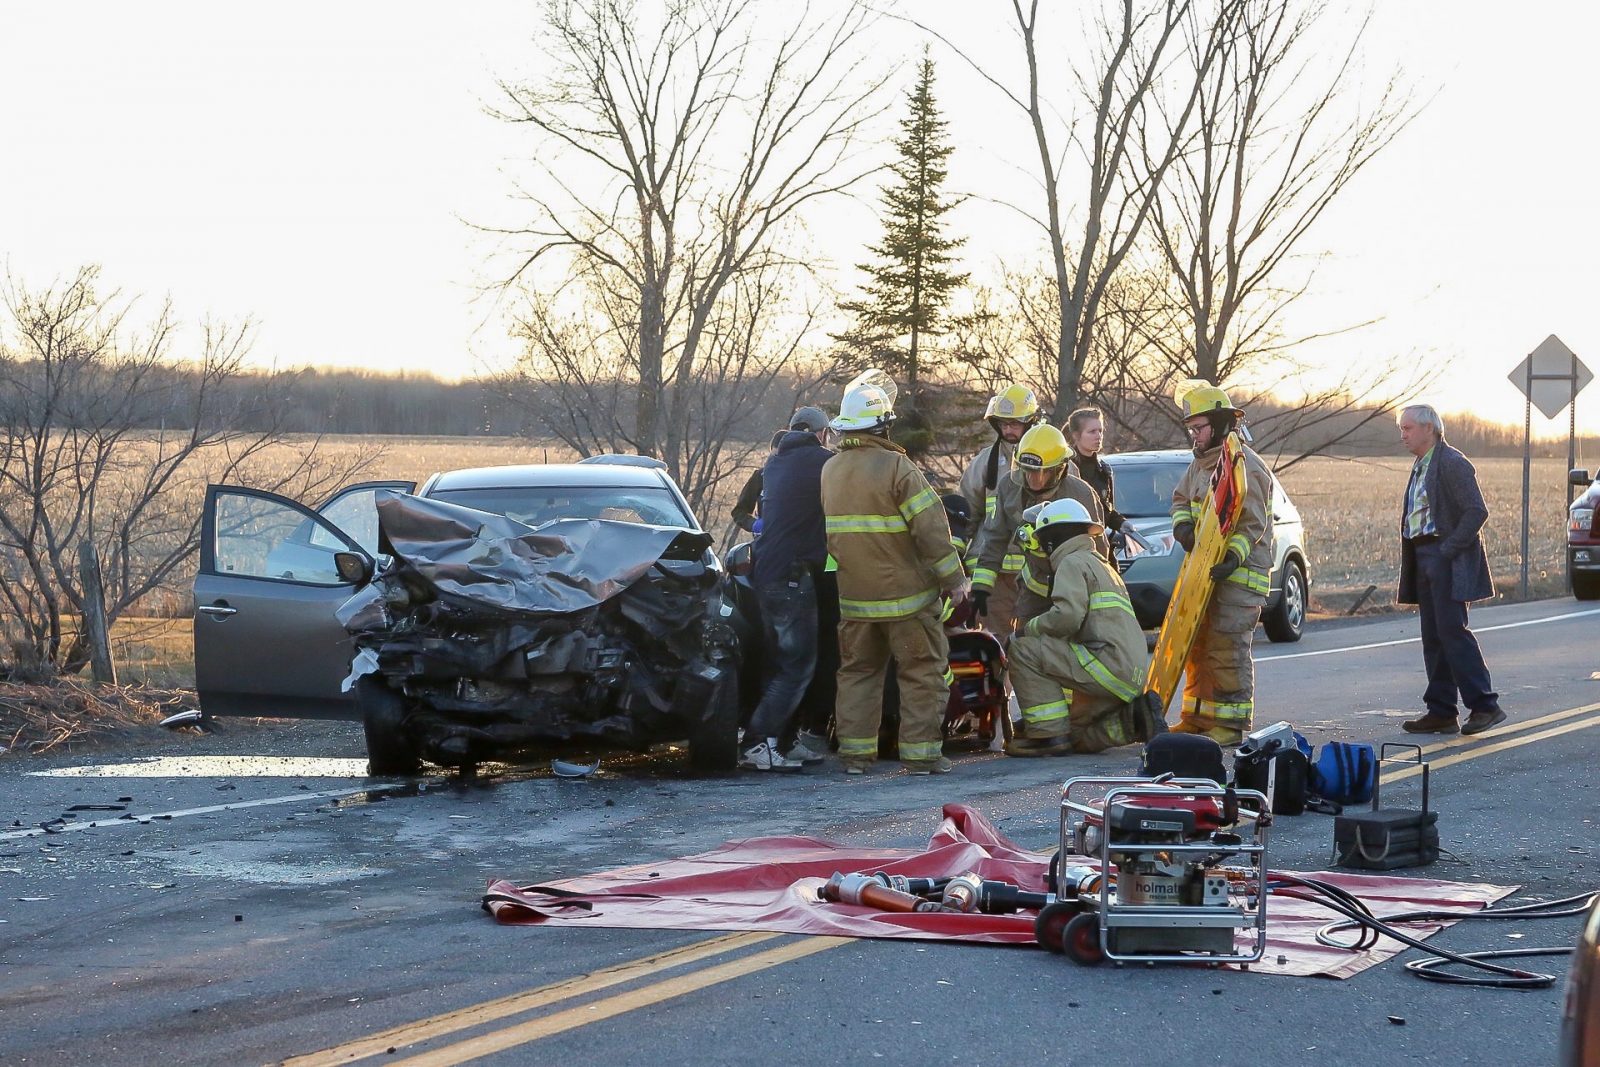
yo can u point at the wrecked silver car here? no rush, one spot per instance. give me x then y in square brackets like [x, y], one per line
[480, 636]
[496, 608]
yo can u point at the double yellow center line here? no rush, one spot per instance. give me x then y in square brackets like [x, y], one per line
[387, 1042]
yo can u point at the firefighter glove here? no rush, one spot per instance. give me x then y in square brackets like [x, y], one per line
[980, 602]
[1183, 533]
[1229, 564]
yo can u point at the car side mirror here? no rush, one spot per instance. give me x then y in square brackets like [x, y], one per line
[1578, 477]
[353, 567]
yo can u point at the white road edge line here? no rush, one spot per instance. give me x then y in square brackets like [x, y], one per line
[141, 820]
[1415, 640]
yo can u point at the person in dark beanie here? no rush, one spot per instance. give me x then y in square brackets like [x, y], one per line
[790, 556]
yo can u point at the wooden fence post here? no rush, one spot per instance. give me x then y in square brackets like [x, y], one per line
[94, 616]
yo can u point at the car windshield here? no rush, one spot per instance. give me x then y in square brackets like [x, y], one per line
[538, 504]
[1144, 489]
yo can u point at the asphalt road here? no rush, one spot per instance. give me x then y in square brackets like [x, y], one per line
[254, 910]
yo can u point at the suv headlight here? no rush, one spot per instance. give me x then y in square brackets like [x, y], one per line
[1160, 545]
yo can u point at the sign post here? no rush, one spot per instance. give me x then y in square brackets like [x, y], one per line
[1550, 379]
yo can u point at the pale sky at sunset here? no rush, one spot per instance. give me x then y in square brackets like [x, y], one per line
[314, 166]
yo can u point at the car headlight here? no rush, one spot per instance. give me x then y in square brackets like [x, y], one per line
[1160, 545]
[1580, 520]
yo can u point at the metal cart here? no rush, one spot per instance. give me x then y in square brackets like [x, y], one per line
[1162, 892]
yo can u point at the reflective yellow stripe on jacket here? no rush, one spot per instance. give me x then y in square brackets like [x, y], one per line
[842, 524]
[886, 609]
[1110, 598]
[1254, 581]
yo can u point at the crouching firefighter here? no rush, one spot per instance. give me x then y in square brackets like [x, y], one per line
[1219, 683]
[888, 533]
[1078, 668]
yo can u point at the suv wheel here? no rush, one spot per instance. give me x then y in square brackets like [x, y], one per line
[1286, 620]
[714, 740]
[1586, 586]
[383, 711]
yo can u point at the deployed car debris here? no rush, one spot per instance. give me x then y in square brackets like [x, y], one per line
[479, 637]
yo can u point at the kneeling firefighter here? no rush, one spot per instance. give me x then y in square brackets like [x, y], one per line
[1038, 475]
[891, 539]
[1078, 668]
[1219, 684]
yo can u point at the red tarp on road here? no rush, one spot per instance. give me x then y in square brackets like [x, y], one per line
[770, 884]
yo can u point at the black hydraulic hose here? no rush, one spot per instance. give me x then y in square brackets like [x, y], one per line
[1432, 968]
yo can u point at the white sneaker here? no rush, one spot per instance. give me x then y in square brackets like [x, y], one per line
[766, 757]
[808, 748]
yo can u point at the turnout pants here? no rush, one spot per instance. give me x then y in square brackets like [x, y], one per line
[1002, 615]
[921, 653]
[1060, 697]
[1220, 680]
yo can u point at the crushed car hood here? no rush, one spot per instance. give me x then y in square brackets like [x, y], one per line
[485, 566]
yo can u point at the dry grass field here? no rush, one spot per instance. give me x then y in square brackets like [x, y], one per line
[1351, 510]
[1350, 507]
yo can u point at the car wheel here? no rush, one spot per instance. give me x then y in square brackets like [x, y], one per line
[714, 740]
[389, 751]
[1586, 586]
[1286, 620]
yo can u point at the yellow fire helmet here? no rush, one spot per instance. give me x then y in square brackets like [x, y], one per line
[1195, 396]
[1012, 402]
[1042, 448]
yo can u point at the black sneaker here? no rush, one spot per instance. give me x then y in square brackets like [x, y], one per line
[1480, 721]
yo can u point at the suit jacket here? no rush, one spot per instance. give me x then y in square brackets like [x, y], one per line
[1458, 514]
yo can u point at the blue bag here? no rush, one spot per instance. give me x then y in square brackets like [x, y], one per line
[1345, 773]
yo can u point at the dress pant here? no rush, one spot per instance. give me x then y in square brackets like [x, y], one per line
[1450, 652]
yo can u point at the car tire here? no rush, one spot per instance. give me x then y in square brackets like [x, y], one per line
[714, 740]
[1286, 619]
[389, 752]
[1586, 586]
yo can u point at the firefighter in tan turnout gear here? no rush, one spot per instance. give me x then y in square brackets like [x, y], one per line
[1078, 668]
[1038, 475]
[1011, 412]
[1219, 685]
[888, 533]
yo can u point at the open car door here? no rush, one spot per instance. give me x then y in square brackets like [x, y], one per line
[265, 638]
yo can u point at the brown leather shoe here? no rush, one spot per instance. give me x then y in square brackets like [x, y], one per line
[1480, 721]
[1432, 724]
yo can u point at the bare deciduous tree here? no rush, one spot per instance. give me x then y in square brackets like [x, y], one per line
[676, 149]
[1128, 64]
[106, 439]
[1278, 137]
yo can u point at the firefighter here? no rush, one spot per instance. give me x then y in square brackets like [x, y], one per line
[1078, 667]
[889, 536]
[1038, 476]
[1010, 412]
[1219, 684]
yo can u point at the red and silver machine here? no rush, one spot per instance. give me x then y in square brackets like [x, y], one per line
[1181, 869]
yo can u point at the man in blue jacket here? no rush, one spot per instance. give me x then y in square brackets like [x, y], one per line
[789, 558]
[1443, 568]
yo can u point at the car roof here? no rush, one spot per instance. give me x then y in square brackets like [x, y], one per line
[1173, 455]
[547, 474]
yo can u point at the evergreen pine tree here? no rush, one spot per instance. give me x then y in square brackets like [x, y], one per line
[909, 285]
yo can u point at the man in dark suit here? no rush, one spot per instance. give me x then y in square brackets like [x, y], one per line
[1442, 569]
